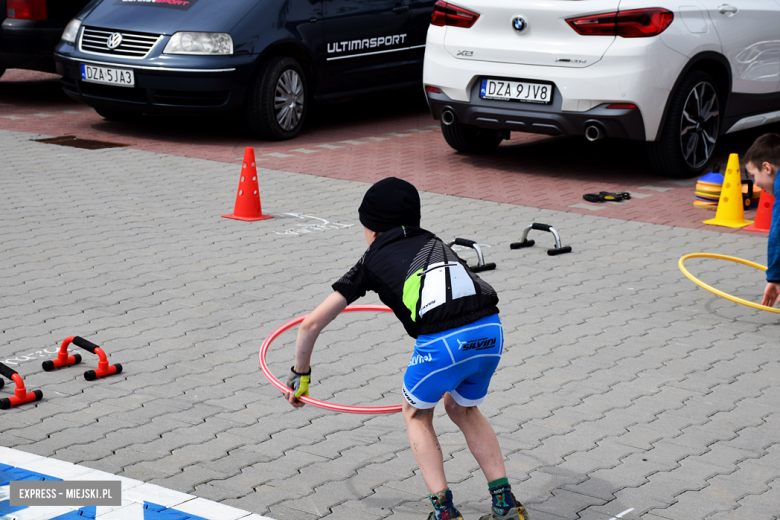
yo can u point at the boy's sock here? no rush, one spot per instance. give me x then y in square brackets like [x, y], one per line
[443, 508]
[501, 492]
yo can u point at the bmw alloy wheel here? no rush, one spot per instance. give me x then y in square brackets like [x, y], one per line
[288, 99]
[699, 125]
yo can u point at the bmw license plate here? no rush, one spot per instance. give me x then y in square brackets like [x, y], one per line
[511, 90]
[107, 76]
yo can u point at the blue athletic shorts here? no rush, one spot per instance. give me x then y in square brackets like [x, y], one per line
[459, 361]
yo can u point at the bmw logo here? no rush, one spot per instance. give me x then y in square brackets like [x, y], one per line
[114, 41]
[519, 24]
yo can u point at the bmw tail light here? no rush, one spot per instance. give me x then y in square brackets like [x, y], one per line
[26, 9]
[636, 23]
[448, 14]
[595, 25]
[641, 23]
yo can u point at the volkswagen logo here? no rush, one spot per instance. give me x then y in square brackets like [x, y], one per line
[519, 24]
[114, 41]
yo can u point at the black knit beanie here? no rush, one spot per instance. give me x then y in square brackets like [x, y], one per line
[390, 203]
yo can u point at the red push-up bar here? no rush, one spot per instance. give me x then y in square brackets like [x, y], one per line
[63, 359]
[21, 395]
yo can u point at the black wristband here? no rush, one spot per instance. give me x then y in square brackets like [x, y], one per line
[292, 369]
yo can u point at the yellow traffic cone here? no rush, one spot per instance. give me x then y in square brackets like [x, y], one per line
[731, 209]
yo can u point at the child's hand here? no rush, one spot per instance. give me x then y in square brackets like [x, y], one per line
[771, 293]
[299, 383]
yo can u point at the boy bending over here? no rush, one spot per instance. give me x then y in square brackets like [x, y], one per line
[453, 315]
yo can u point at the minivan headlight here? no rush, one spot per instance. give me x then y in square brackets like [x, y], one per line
[199, 43]
[71, 30]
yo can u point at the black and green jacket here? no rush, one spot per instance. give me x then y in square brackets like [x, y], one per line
[428, 287]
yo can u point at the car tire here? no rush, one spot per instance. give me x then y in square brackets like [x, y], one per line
[277, 100]
[118, 115]
[471, 139]
[687, 140]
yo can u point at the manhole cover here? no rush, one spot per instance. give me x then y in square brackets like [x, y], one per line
[77, 142]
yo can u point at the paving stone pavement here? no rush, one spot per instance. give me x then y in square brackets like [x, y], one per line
[624, 388]
[366, 141]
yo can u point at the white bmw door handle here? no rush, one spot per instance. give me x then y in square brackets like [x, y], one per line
[727, 9]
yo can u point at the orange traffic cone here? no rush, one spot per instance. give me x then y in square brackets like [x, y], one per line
[764, 214]
[248, 197]
[731, 209]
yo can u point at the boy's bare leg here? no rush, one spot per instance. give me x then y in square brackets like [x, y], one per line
[480, 437]
[425, 446]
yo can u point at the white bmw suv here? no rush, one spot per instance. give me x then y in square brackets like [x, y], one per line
[676, 76]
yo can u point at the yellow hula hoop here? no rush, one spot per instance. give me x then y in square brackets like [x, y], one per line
[721, 293]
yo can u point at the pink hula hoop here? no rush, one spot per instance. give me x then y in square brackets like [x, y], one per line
[316, 402]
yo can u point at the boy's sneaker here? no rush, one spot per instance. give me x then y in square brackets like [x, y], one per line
[457, 516]
[516, 513]
[443, 507]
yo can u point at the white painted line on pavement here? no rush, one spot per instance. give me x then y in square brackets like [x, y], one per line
[156, 494]
[321, 224]
[304, 150]
[654, 188]
[135, 494]
[211, 510]
[18, 458]
[635, 195]
[680, 183]
[44, 353]
[621, 514]
[63, 470]
[587, 206]
[332, 146]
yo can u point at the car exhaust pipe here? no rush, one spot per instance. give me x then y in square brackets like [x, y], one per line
[448, 117]
[594, 132]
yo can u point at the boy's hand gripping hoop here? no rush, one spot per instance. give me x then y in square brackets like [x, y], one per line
[722, 294]
[310, 400]
[299, 383]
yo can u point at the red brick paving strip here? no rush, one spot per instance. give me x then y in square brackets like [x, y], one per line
[529, 170]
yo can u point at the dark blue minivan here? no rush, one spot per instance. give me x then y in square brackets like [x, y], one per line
[266, 59]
